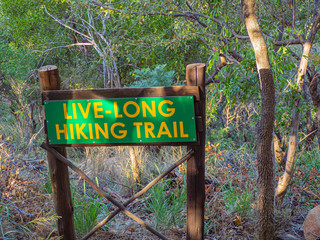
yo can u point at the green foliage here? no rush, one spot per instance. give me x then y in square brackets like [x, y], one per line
[27, 22]
[222, 137]
[166, 205]
[238, 200]
[305, 183]
[14, 132]
[45, 221]
[88, 208]
[47, 187]
[161, 46]
[153, 78]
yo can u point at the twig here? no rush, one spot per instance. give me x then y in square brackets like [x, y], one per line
[20, 210]
[1, 228]
[308, 135]
[64, 46]
[67, 26]
[174, 13]
[121, 184]
[100, 191]
[32, 139]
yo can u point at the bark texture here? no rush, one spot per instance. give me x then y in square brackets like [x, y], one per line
[59, 173]
[265, 199]
[313, 89]
[278, 151]
[135, 164]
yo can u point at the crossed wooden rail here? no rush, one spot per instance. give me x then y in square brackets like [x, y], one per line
[121, 207]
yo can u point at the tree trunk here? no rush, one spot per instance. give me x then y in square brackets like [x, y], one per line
[285, 179]
[135, 164]
[265, 199]
[278, 151]
[287, 175]
[311, 131]
[313, 88]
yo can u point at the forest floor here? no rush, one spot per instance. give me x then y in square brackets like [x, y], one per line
[27, 209]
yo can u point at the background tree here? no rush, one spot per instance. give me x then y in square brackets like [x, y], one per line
[265, 199]
[112, 43]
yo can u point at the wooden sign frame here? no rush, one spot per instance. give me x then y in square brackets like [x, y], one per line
[58, 163]
[126, 93]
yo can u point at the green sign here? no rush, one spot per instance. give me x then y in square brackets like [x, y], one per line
[121, 120]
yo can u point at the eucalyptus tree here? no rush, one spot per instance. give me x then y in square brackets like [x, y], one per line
[126, 35]
[306, 41]
[265, 198]
[285, 25]
[204, 21]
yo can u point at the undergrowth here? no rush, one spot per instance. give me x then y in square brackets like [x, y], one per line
[167, 205]
[26, 206]
[88, 209]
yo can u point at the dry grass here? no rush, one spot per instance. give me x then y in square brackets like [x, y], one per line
[26, 204]
[25, 211]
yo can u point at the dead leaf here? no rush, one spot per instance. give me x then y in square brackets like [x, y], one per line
[237, 221]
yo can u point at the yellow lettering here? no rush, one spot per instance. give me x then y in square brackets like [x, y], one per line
[90, 131]
[116, 110]
[79, 131]
[74, 110]
[71, 131]
[170, 110]
[182, 134]
[65, 112]
[96, 109]
[129, 114]
[104, 132]
[64, 131]
[85, 114]
[152, 110]
[175, 131]
[163, 130]
[122, 132]
[138, 124]
[148, 128]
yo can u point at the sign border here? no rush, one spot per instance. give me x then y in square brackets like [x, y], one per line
[52, 114]
[52, 95]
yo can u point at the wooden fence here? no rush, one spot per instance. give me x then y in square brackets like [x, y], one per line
[195, 157]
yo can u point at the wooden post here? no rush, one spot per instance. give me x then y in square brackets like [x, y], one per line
[50, 80]
[195, 75]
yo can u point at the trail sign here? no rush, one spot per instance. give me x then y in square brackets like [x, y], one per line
[131, 116]
[121, 120]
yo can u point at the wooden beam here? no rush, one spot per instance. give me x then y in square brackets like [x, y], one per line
[50, 80]
[195, 75]
[121, 93]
